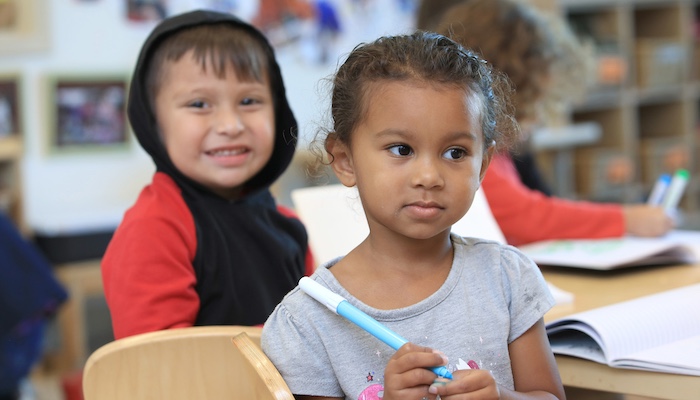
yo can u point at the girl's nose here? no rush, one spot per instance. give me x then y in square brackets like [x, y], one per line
[426, 174]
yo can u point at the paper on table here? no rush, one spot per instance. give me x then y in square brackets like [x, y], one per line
[561, 296]
[659, 332]
[676, 247]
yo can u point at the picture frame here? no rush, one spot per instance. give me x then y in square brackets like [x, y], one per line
[10, 113]
[87, 113]
[23, 26]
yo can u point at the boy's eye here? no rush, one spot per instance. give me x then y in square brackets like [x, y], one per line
[401, 150]
[249, 101]
[455, 153]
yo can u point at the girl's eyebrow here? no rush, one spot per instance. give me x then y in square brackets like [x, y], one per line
[462, 135]
[394, 132]
[457, 135]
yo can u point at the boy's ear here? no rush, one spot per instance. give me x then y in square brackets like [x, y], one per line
[486, 160]
[341, 161]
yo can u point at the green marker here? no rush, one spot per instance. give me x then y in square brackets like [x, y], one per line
[675, 190]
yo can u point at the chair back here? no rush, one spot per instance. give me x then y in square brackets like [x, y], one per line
[205, 362]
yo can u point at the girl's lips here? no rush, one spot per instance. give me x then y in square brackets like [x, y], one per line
[424, 210]
[424, 204]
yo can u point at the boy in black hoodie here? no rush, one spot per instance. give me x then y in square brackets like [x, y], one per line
[205, 242]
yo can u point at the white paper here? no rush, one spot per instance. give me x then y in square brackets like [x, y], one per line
[677, 247]
[649, 332]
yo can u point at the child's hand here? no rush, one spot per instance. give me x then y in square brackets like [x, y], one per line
[406, 375]
[645, 221]
[478, 383]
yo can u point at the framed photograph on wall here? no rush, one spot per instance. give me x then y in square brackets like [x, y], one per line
[23, 26]
[87, 113]
[152, 10]
[9, 106]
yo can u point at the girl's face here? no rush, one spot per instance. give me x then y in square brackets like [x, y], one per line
[417, 157]
[218, 132]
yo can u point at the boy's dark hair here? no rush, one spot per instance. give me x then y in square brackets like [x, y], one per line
[427, 57]
[214, 46]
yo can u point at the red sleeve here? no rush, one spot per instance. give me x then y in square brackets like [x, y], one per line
[310, 267]
[147, 271]
[526, 216]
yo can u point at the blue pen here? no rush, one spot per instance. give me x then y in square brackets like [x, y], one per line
[659, 190]
[340, 306]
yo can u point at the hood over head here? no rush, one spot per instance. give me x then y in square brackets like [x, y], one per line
[143, 120]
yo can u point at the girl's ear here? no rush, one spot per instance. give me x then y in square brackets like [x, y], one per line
[486, 160]
[341, 161]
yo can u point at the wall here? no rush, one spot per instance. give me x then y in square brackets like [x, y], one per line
[84, 192]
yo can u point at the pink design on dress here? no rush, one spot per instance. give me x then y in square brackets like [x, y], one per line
[372, 392]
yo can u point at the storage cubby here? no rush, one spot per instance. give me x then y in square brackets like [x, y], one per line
[646, 100]
[611, 123]
[11, 149]
[10, 179]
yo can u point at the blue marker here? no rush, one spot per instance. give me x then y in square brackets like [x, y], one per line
[659, 190]
[340, 306]
[675, 190]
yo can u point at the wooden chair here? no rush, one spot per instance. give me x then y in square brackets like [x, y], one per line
[206, 362]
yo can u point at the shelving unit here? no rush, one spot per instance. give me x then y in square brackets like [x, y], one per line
[10, 180]
[11, 149]
[646, 98]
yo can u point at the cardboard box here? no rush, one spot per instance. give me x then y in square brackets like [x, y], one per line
[663, 156]
[660, 62]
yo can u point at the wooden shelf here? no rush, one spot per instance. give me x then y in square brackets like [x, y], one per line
[650, 116]
[11, 149]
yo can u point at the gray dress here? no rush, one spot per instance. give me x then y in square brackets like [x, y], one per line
[492, 295]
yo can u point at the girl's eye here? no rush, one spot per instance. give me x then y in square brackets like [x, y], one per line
[401, 150]
[455, 153]
[197, 104]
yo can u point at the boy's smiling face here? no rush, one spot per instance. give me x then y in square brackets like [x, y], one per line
[217, 132]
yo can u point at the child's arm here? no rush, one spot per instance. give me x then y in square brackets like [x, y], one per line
[533, 364]
[149, 284]
[147, 272]
[517, 209]
[535, 373]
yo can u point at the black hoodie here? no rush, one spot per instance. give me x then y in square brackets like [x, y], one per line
[248, 254]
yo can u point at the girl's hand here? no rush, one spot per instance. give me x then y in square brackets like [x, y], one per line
[406, 376]
[478, 383]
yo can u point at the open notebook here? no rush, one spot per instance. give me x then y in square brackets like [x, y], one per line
[336, 223]
[659, 332]
[676, 247]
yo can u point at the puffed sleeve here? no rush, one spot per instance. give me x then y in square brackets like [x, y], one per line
[530, 297]
[297, 349]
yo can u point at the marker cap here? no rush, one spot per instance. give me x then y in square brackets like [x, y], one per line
[320, 293]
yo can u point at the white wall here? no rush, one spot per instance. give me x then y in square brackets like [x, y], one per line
[77, 192]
